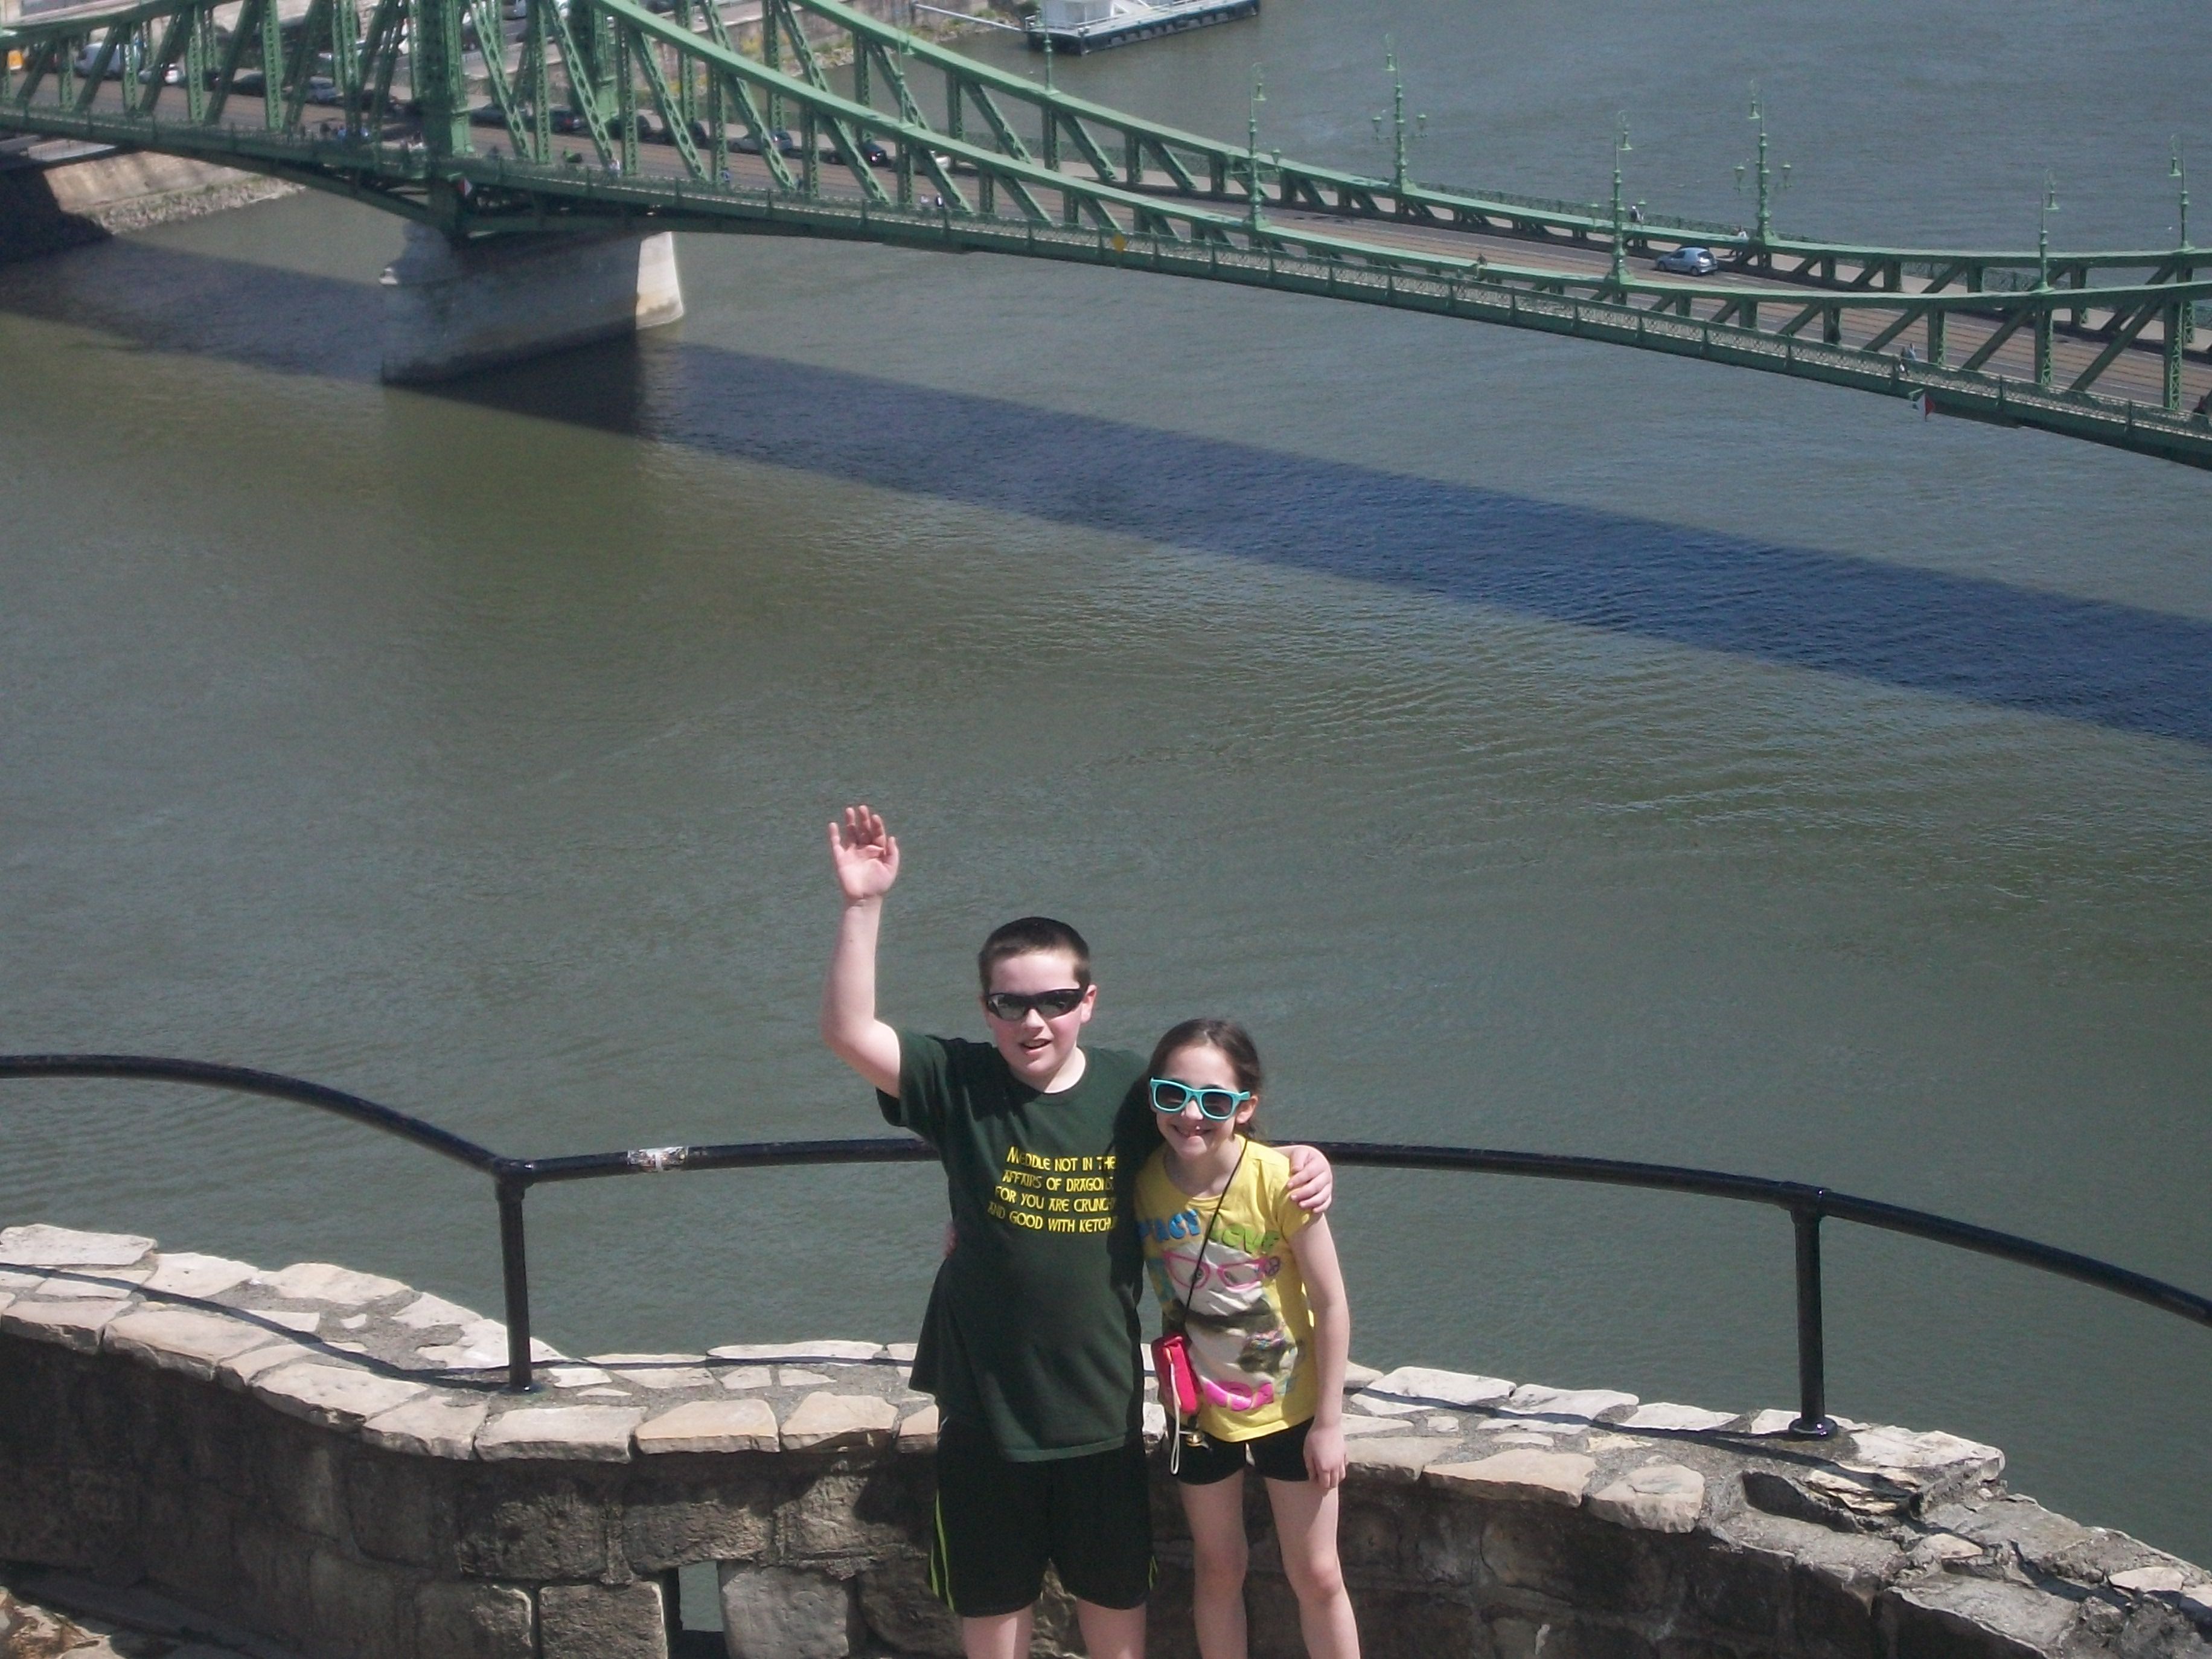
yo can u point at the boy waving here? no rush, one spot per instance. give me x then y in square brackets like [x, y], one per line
[1032, 1337]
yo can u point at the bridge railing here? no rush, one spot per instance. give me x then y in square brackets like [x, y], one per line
[1807, 1206]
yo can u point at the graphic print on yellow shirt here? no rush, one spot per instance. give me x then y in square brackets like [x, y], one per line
[1244, 1306]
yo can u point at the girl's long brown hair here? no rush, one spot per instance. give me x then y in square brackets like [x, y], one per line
[1232, 1041]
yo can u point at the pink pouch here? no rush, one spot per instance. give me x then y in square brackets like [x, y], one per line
[1178, 1382]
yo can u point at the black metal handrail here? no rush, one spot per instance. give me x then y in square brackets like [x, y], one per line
[513, 1177]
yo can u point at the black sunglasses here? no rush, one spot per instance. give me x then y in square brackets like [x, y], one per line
[1013, 1004]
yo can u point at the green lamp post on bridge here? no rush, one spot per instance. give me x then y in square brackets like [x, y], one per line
[2185, 268]
[1621, 148]
[1400, 138]
[1252, 143]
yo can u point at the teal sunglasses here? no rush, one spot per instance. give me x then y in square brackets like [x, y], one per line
[1216, 1105]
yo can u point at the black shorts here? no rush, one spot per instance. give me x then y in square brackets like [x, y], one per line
[1000, 1522]
[1280, 1456]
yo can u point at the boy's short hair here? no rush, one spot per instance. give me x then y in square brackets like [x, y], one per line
[1028, 935]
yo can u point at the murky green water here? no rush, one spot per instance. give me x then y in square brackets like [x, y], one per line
[1540, 745]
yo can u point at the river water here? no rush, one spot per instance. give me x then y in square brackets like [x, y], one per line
[1538, 745]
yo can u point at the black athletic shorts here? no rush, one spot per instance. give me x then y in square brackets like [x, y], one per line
[999, 1522]
[1280, 1456]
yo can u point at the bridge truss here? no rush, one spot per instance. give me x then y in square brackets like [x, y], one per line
[812, 118]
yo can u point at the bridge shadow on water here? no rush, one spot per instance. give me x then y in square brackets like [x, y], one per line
[2130, 669]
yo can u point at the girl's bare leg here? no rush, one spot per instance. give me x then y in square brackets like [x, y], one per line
[1006, 1635]
[1306, 1529]
[1110, 1633]
[1216, 1514]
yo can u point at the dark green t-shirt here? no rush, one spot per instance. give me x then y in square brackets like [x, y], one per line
[1031, 1333]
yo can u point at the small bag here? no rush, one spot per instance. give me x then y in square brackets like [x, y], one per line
[1178, 1381]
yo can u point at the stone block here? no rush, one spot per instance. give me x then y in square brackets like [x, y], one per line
[902, 1613]
[841, 1422]
[1395, 1457]
[272, 1581]
[509, 1528]
[591, 1434]
[186, 1533]
[97, 1283]
[299, 1480]
[432, 1313]
[182, 1339]
[332, 1396]
[185, 1273]
[1663, 1414]
[474, 1621]
[919, 1431]
[361, 1611]
[40, 1245]
[72, 1325]
[1977, 1617]
[1519, 1476]
[401, 1509]
[326, 1282]
[717, 1516]
[240, 1370]
[1578, 1405]
[1425, 1387]
[711, 1425]
[658, 1371]
[602, 1621]
[784, 1613]
[1596, 1570]
[1657, 1498]
[440, 1425]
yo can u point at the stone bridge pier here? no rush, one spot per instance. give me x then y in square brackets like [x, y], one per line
[450, 311]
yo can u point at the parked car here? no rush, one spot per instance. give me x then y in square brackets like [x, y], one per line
[1688, 262]
[322, 90]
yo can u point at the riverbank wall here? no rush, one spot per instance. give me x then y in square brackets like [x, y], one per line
[327, 1458]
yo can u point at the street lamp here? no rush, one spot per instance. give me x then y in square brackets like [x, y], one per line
[2175, 168]
[1398, 118]
[1621, 148]
[2048, 206]
[1252, 143]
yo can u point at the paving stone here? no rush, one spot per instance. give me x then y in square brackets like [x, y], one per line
[839, 1422]
[336, 1396]
[432, 1427]
[602, 1621]
[1516, 1438]
[1770, 1421]
[603, 1393]
[98, 1283]
[242, 1369]
[780, 1612]
[1396, 1456]
[38, 1245]
[1657, 1498]
[302, 1320]
[1378, 1406]
[749, 1376]
[185, 1273]
[1663, 1414]
[2146, 1581]
[1443, 1424]
[433, 1313]
[791, 1377]
[6, 1298]
[659, 1370]
[596, 1434]
[1588, 1404]
[919, 1431]
[711, 1425]
[69, 1324]
[1526, 1476]
[1356, 1375]
[1972, 1607]
[325, 1281]
[1353, 1425]
[826, 1350]
[483, 1346]
[1426, 1387]
[903, 1352]
[1933, 1461]
[182, 1339]
[575, 1376]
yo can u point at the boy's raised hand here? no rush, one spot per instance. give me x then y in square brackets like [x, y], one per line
[864, 854]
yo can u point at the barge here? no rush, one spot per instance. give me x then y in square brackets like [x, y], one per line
[1081, 26]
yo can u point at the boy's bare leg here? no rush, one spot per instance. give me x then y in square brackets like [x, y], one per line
[1111, 1632]
[1218, 1557]
[1305, 1531]
[1006, 1635]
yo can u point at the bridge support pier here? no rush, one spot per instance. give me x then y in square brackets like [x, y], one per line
[451, 311]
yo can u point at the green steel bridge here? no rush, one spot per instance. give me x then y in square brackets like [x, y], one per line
[481, 119]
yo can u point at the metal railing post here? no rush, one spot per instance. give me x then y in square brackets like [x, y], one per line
[515, 1268]
[1812, 1422]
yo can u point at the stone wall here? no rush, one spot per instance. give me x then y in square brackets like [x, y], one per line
[325, 1457]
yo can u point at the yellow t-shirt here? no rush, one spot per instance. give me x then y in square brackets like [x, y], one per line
[1245, 1318]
